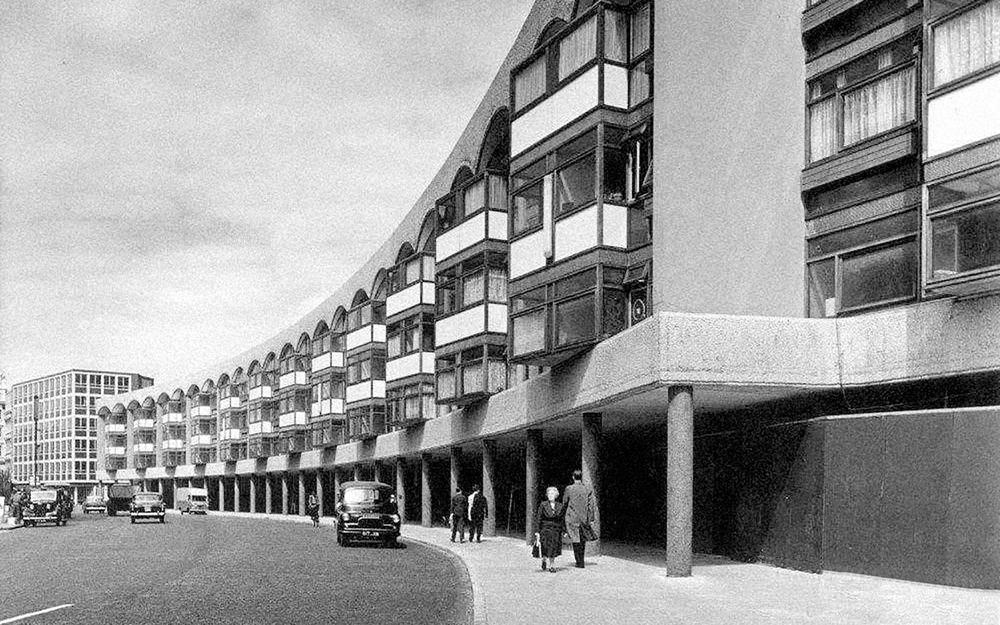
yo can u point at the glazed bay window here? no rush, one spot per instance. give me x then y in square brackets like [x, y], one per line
[410, 404]
[410, 271]
[477, 279]
[964, 214]
[471, 374]
[487, 191]
[526, 210]
[870, 96]
[868, 265]
[366, 366]
[410, 335]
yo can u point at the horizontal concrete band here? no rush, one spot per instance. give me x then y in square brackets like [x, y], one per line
[736, 361]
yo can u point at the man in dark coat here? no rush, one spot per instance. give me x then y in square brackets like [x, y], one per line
[478, 511]
[580, 509]
[459, 510]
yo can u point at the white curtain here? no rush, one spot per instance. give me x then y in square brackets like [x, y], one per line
[475, 197]
[822, 129]
[640, 31]
[497, 285]
[638, 81]
[967, 42]
[498, 192]
[472, 288]
[879, 106]
[615, 31]
[529, 84]
[578, 48]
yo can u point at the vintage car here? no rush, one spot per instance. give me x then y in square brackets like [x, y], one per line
[119, 497]
[147, 505]
[94, 503]
[367, 512]
[45, 505]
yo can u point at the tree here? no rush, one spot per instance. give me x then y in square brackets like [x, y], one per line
[5, 484]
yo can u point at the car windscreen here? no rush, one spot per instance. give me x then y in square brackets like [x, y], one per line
[199, 497]
[147, 498]
[360, 496]
[43, 495]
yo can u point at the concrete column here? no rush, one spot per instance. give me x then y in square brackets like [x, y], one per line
[173, 493]
[426, 513]
[236, 493]
[222, 494]
[489, 457]
[319, 492]
[357, 472]
[401, 488]
[336, 483]
[590, 464]
[456, 470]
[268, 495]
[284, 493]
[532, 458]
[253, 494]
[679, 482]
[302, 493]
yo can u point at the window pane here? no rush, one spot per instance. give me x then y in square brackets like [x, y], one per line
[615, 312]
[903, 223]
[615, 175]
[527, 213]
[967, 43]
[973, 187]
[822, 299]
[472, 378]
[497, 376]
[498, 192]
[529, 173]
[529, 299]
[966, 241]
[577, 48]
[446, 300]
[880, 275]
[446, 385]
[880, 106]
[575, 147]
[529, 84]
[394, 345]
[529, 332]
[497, 285]
[575, 184]
[576, 283]
[638, 85]
[640, 31]
[822, 129]
[472, 288]
[428, 268]
[574, 320]
[615, 36]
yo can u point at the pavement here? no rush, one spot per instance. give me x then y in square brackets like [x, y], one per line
[628, 587]
[219, 569]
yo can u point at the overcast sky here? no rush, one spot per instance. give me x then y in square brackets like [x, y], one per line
[182, 180]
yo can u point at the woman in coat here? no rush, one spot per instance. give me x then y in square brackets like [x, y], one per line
[313, 509]
[549, 527]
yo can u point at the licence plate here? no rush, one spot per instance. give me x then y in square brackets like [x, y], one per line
[369, 534]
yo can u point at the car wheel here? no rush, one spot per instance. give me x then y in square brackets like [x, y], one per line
[163, 519]
[132, 519]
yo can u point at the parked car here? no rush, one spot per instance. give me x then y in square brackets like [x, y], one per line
[367, 512]
[119, 497]
[94, 503]
[191, 500]
[147, 505]
[45, 505]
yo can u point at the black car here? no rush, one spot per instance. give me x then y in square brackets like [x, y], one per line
[367, 512]
[147, 505]
[45, 505]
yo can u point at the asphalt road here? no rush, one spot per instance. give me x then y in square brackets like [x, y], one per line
[222, 570]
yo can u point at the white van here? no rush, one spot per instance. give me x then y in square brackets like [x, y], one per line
[191, 500]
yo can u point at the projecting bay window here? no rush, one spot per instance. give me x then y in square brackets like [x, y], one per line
[870, 96]
[293, 409]
[409, 404]
[200, 405]
[964, 216]
[863, 267]
[328, 396]
[327, 433]
[472, 298]
[327, 351]
[470, 214]
[365, 376]
[962, 103]
[472, 374]
[410, 347]
[411, 283]
[261, 418]
[603, 58]
[261, 383]
[293, 369]
[366, 422]
[556, 320]
[365, 324]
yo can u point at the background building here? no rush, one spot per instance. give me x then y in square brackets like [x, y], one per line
[62, 409]
[5, 426]
[607, 273]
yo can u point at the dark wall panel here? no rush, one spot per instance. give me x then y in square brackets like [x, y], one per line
[854, 464]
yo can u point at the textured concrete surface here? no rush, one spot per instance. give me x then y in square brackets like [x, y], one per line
[629, 586]
[221, 569]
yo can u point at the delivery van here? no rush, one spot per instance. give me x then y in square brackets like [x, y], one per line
[191, 500]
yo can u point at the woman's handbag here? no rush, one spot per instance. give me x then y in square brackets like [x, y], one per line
[587, 532]
[536, 551]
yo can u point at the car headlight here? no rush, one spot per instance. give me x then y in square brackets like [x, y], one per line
[395, 518]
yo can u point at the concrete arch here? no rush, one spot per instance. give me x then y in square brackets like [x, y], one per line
[463, 175]
[304, 344]
[428, 233]
[103, 412]
[254, 368]
[192, 390]
[149, 403]
[494, 151]
[135, 405]
[379, 286]
[321, 328]
[270, 362]
[287, 351]
[237, 375]
[360, 297]
[551, 29]
[223, 379]
[162, 399]
[339, 325]
[405, 251]
[208, 386]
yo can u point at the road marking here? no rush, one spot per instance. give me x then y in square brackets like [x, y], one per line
[15, 619]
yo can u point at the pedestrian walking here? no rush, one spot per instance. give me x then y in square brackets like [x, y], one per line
[549, 527]
[459, 510]
[17, 506]
[478, 511]
[580, 514]
[312, 507]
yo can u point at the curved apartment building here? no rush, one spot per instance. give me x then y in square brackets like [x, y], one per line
[738, 263]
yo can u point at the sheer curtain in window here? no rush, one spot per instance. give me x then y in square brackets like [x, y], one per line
[498, 192]
[475, 197]
[472, 288]
[529, 84]
[615, 39]
[640, 31]
[578, 48]
[497, 285]
[967, 42]
[880, 106]
[822, 129]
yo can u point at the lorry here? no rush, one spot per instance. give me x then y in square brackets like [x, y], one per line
[191, 500]
[119, 498]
